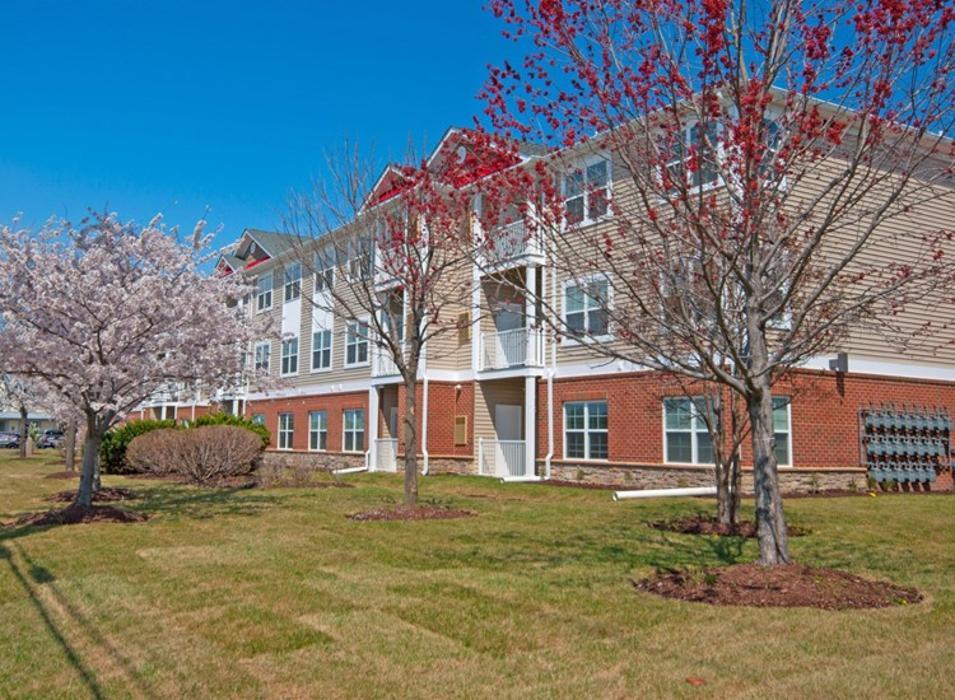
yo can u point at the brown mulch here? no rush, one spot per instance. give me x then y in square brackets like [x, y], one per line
[104, 495]
[709, 525]
[788, 586]
[416, 513]
[74, 514]
[63, 475]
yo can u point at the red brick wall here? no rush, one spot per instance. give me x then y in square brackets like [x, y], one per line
[824, 412]
[333, 404]
[444, 403]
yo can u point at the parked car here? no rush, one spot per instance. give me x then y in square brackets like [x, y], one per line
[9, 438]
[50, 438]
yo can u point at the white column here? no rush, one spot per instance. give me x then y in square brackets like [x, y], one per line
[371, 427]
[475, 320]
[530, 313]
[530, 425]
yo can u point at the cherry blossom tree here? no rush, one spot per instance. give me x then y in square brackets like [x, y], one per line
[398, 233]
[106, 313]
[730, 183]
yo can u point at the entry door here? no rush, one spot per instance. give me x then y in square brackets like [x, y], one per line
[509, 455]
[393, 421]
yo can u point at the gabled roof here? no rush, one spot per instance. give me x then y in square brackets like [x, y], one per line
[271, 242]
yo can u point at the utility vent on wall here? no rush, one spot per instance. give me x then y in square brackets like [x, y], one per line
[464, 328]
[460, 430]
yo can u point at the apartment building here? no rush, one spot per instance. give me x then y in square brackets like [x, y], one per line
[506, 397]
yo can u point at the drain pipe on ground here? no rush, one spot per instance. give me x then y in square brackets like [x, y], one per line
[352, 470]
[663, 493]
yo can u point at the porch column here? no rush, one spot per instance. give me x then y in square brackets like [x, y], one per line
[371, 427]
[530, 425]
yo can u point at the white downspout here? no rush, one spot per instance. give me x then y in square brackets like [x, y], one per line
[550, 380]
[424, 427]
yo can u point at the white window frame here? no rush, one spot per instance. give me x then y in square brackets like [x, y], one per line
[788, 431]
[686, 136]
[360, 249]
[263, 297]
[364, 320]
[292, 285]
[582, 164]
[324, 272]
[587, 431]
[353, 431]
[287, 343]
[286, 434]
[330, 349]
[697, 426]
[319, 432]
[266, 367]
[568, 338]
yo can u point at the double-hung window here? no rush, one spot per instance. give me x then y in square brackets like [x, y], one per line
[585, 430]
[321, 349]
[356, 343]
[317, 430]
[694, 163]
[360, 259]
[587, 191]
[687, 438]
[263, 292]
[324, 271]
[353, 430]
[258, 419]
[289, 356]
[286, 430]
[263, 352]
[782, 430]
[585, 307]
[293, 281]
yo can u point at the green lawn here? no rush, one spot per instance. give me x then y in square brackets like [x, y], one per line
[276, 593]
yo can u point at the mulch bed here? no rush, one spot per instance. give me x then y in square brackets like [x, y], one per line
[789, 586]
[417, 513]
[74, 514]
[709, 525]
[63, 475]
[104, 495]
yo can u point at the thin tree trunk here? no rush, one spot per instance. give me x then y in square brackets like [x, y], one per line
[411, 443]
[770, 520]
[735, 481]
[88, 475]
[69, 447]
[24, 430]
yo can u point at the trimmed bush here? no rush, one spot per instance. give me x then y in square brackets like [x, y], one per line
[115, 443]
[204, 455]
[236, 421]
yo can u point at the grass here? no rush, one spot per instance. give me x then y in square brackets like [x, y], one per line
[276, 593]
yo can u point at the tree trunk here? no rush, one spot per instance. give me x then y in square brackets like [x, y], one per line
[88, 475]
[69, 447]
[411, 442]
[735, 480]
[770, 520]
[24, 430]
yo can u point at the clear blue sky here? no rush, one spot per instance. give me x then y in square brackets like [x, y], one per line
[226, 105]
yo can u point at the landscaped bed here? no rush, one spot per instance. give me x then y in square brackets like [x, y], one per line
[254, 593]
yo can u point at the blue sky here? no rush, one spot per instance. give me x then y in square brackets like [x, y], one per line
[226, 105]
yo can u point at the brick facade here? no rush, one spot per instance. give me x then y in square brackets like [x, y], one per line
[300, 406]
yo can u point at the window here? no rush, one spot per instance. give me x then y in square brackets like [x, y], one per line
[293, 281]
[289, 356]
[782, 429]
[321, 350]
[263, 292]
[263, 352]
[356, 343]
[585, 307]
[317, 430]
[587, 191]
[353, 438]
[286, 430]
[258, 419]
[359, 259]
[687, 438]
[695, 161]
[585, 430]
[324, 271]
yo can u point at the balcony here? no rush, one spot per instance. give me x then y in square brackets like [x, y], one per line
[518, 347]
[382, 364]
[509, 245]
[385, 456]
[502, 458]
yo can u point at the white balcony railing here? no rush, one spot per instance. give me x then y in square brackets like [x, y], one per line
[508, 243]
[502, 458]
[382, 364]
[386, 455]
[518, 347]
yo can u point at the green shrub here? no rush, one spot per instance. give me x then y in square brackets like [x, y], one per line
[113, 449]
[235, 421]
